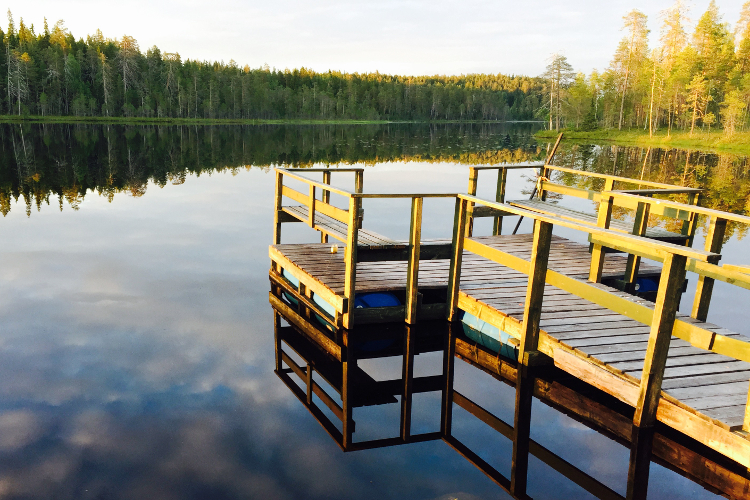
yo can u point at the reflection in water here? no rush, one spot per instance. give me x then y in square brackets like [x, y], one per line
[330, 359]
[42, 161]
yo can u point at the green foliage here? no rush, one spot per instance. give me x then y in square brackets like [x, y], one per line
[684, 83]
[104, 77]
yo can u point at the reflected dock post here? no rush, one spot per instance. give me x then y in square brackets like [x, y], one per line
[519, 469]
[349, 361]
[449, 358]
[407, 377]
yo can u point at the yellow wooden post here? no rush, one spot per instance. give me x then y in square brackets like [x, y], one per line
[665, 310]
[277, 208]
[634, 261]
[746, 421]
[532, 309]
[412, 276]
[454, 274]
[359, 185]
[472, 190]
[502, 179]
[597, 253]
[689, 227]
[350, 261]
[325, 198]
[311, 205]
[714, 241]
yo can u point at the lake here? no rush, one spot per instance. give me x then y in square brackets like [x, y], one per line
[137, 339]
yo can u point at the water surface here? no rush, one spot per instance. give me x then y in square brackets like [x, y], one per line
[136, 339]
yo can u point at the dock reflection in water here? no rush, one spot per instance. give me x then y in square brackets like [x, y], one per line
[322, 369]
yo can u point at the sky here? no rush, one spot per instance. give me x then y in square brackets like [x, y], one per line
[414, 37]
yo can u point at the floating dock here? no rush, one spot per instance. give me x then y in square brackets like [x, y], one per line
[556, 302]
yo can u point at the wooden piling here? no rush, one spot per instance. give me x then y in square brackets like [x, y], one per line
[532, 310]
[412, 277]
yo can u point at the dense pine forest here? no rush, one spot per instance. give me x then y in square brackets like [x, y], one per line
[51, 73]
[696, 77]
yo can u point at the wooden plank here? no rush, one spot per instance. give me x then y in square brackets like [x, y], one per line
[625, 391]
[277, 208]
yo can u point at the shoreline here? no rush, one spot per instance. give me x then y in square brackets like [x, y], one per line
[714, 142]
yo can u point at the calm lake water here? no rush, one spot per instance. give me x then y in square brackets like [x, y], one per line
[136, 337]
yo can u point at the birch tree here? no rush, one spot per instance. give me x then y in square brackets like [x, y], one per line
[630, 54]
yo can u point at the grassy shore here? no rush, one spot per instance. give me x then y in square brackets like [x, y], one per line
[715, 141]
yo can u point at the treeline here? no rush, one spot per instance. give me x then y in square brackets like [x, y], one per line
[52, 73]
[687, 81]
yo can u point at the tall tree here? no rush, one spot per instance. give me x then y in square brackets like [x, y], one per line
[630, 54]
[559, 73]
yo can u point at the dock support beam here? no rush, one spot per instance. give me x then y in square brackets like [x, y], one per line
[532, 309]
[412, 276]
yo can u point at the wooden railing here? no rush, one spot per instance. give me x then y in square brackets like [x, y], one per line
[717, 223]
[352, 219]
[662, 319]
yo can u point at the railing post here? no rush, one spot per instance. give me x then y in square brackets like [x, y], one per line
[454, 274]
[714, 241]
[746, 421]
[359, 184]
[502, 178]
[472, 190]
[350, 261]
[597, 253]
[532, 309]
[277, 208]
[634, 261]
[665, 310]
[689, 227]
[325, 198]
[311, 214]
[412, 276]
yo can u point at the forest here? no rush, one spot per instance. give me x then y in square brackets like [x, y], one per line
[696, 77]
[51, 73]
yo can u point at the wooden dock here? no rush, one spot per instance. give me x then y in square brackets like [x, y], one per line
[562, 303]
